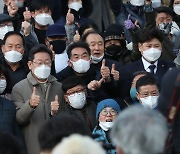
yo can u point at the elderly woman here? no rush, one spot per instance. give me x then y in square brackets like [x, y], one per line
[107, 110]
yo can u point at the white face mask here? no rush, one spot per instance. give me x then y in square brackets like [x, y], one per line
[137, 2]
[44, 19]
[42, 71]
[96, 60]
[4, 30]
[150, 101]
[75, 6]
[176, 8]
[19, 4]
[2, 85]
[81, 66]
[156, 3]
[152, 54]
[106, 125]
[77, 100]
[13, 56]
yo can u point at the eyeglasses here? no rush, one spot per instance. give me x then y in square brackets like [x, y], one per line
[76, 91]
[6, 24]
[48, 63]
[153, 93]
[105, 112]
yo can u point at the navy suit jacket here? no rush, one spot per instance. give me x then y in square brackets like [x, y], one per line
[127, 74]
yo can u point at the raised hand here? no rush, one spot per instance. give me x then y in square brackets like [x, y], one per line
[27, 15]
[128, 23]
[55, 106]
[12, 8]
[95, 84]
[35, 99]
[76, 37]
[26, 26]
[69, 18]
[115, 73]
[105, 71]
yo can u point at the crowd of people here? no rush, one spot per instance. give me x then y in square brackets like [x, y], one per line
[89, 77]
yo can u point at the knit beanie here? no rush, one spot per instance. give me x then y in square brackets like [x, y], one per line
[113, 32]
[107, 103]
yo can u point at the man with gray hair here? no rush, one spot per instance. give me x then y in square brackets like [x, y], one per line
[139, 130]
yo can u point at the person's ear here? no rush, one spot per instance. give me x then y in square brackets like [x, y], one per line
[29, 63]
[140, 47]
[70, 63]
[3, 49]
[33, 14]
[66, 99]
[137, 95]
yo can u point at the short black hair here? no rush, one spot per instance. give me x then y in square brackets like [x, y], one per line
[39, 4]
[8, 34]
[3, 70]
[88, 25]
[77, 45]
[149, 34]
[146, 80]
[9, 144]
[39, 48]
[84, 37]
[71, 82]
[63, 125]
[164, 9]
[140, 73]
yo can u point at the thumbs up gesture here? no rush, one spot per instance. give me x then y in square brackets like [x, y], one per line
[55, 106]
[115, 73]
[95, 84]
[105, 71]
[69, 18]
[12, 8]
[26, 26]
[76, 37]
[35, 99]
[27, 15]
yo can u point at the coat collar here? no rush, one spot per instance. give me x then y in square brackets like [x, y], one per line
[34, 82]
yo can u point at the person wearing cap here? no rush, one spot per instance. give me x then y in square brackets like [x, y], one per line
[6, 25]
[56, 37]
[106, 112]
[115, 44]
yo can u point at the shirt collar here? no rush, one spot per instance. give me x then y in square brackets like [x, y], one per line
[146, 64]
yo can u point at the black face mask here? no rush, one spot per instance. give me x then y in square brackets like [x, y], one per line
[113, 52]
[58, 46]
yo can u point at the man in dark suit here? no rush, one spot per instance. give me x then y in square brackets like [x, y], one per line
[150, 46]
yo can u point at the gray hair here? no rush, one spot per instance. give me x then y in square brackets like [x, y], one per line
[78, 144]
[139, 130]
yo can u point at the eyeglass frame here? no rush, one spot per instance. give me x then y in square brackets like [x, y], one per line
[75, 92]
[109, 112]
[149, 94]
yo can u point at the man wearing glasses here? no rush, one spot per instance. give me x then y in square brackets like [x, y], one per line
[38, 97]
[106, 112]
[147, 91]
[77, 102]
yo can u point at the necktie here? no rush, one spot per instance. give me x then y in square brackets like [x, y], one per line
[152, 67]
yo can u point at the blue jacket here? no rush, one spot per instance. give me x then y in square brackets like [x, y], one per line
[103, 138]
